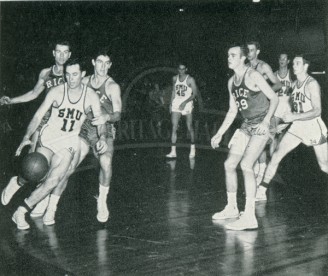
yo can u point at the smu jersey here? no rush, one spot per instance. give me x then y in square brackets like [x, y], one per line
[52, 80]
[67, 118]
[300, 102]
[250, 103]
[286, 82]
[182, 90]
[105, 102]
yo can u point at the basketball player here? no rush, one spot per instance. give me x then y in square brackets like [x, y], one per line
[48, 78]
[59, 136]
[307, 126]
[284, 76]
[267, 73]
[256, 101]
[183, 93]
[109, 94]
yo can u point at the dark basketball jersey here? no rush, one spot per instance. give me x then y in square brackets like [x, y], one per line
[250, 103]
[105, 102]
[52, 80]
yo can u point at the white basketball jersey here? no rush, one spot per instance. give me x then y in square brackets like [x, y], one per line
[286, 81]
[300, 102]
[182, 90]
[68, 117]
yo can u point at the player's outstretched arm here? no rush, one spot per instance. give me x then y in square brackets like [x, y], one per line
[34, 93]
[54, 96]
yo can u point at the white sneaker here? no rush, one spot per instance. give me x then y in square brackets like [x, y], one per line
[49, 216]
[171, 155]
[103, 213]
[19, 218]
[40, 208]
[9, 190]
[261, 194]
[227, 213]
[245, 222]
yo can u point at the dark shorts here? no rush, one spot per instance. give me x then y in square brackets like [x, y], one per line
[249, 125]
[90, 135]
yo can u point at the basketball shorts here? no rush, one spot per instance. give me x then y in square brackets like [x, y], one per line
[187, 110]
[44, 119]
[90, 135]
[283, 107]
[242, 136]
[57, 141]
[312, 132]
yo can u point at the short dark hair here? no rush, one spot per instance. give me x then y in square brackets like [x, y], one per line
[62, 42]
[76, 61]
[182, 63]
[305, 58]
[254, 42]
[103, 52]
[243, 48]
[284, 53]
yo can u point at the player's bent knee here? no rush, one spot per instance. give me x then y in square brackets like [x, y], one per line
[230, 166]
[246, 166]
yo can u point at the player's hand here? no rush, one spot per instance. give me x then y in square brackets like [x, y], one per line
[215, 141]
[5, 100]
[182, 106]
[26, 141]
[288, 117]
[101, 146]
[262, 128]
[281, 127]
[100, 120]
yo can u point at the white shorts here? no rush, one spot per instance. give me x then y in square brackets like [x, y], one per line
[187, 110]
[240, 139]
[57, 141]
[283, 107]
[312, 132]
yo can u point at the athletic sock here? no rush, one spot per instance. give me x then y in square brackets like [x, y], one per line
[232, 199]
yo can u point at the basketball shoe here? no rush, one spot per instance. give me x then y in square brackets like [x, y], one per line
[19, 218]
[245, 222]
[227, 213]
[49, 216]
[40, 208]
[103, 213]
[10, 190]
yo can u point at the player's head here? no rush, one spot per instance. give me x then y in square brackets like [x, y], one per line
[301, 64]
[254, 49]
[102, 62]
[237, 54]
[74, 72]
[61, 52]
[182, 68]
[283, 59]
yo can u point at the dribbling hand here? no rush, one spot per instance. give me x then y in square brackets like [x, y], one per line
[24, 143]
[101, 146]
[215, 141]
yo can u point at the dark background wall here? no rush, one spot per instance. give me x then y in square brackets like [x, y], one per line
[149, 34]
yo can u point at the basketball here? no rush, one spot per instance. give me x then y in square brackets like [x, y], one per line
[34, 167]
